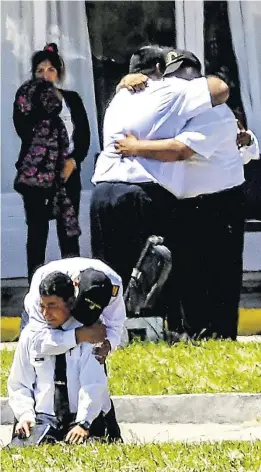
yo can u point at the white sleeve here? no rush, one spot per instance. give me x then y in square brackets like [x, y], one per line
[32, 300]
[20, 382]
[250, 152]
[114, 316]
[203, 134]
[93, 387]
[52, 342]
[195, 98]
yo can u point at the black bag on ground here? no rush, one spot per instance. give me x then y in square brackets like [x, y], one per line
[148, 277]
[37, 436]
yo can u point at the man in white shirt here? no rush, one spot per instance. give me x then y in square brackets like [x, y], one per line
[131, 200]
[112, 315]
[210, 219]
[65, 392]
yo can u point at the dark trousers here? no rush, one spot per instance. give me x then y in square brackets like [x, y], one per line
[205, 235]
[122, 217]
[37, 218]
[211, 232]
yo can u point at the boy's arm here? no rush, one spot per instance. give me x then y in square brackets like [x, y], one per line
[93, 387]
[52, 342]
[114, 316]
[166, 150]
[217, 88]
[201, 135]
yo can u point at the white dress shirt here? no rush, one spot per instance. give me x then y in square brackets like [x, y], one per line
[158, 112]
[216, 164]
[113, 316]
[65, 115]
[31, 380]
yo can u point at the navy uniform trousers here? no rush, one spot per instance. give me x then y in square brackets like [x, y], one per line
[205, 236]
[211, 266]
[122, 217]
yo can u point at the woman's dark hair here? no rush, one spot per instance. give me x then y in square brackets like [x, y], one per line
[57, 284]
[146, 58]
[49, 53]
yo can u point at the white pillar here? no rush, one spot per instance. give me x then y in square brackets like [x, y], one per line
[245, 25]
[39, 23]
[190, 27]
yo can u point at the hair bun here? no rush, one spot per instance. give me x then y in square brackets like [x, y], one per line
[52, 47]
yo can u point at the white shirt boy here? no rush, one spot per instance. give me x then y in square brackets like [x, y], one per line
[52, 341]
[31, 380]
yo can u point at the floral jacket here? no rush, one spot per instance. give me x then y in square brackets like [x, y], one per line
[44, 149]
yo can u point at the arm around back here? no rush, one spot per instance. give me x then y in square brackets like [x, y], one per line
[218, 89]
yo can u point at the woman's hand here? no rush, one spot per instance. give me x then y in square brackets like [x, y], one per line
[69, 167]
[128, 146]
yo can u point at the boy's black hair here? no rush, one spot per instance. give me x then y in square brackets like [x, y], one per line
[145, 59]
[57, 284]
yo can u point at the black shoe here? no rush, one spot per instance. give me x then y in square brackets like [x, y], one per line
[98, 427]
[113, 432]
[173, 337]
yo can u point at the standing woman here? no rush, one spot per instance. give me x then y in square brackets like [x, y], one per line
[53, 126]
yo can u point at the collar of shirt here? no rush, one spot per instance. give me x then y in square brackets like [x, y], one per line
[71, 323]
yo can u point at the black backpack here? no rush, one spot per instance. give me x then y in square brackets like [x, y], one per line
[148, 277]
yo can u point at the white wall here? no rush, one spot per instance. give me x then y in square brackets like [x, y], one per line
[13, 232]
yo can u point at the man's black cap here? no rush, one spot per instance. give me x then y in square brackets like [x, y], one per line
[95, 291]
[178, 57]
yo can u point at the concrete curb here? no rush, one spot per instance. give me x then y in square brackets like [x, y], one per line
[196, 408]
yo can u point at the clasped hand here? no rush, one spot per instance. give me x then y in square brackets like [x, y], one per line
[127, 146]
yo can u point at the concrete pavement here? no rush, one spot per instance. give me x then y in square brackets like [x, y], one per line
[139, 433]
[218, 408]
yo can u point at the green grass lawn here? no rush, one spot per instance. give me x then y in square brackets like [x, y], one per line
[229, 456]
[157, 369]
